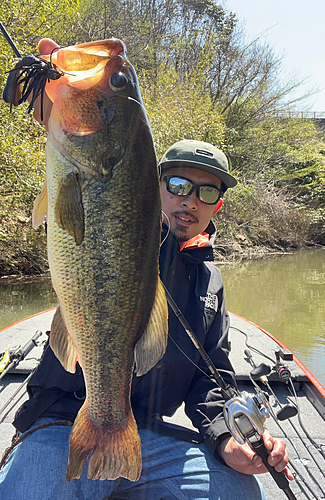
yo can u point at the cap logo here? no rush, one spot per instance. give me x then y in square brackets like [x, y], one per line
[204, 152]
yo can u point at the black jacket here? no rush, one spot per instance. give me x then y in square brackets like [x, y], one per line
[196, 286]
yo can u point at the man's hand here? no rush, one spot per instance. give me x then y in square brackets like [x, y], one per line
[243, 459]
[45, 46]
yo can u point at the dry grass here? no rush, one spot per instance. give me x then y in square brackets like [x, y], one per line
[258, 219]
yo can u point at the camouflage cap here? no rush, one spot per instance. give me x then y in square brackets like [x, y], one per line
[200, 155]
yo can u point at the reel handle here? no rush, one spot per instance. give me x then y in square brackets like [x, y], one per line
[279, 477]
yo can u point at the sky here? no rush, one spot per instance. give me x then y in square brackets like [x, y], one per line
[295, 29]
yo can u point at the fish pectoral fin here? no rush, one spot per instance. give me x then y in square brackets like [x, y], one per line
[114, 454]
[151, 347]
[40, 207]
[62, 344]
[69, 211]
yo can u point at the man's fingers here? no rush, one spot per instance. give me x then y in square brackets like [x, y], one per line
[268, 440]
[46, 46]
[288, 474]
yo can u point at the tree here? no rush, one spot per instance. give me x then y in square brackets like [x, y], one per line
[171, 113]
[22, 140]
[199, 79]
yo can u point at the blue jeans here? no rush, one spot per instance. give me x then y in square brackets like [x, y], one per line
[172, 469]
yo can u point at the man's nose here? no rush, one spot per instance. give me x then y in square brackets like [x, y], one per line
[191, 201]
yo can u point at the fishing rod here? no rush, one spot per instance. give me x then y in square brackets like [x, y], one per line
[10, 40]
[309, 437]
[284, 375]
[30, 75]
[244, 414]
[228, 391]
[20, 353]
[260, 372]
[22, 385]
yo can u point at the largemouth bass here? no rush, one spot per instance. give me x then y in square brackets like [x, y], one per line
[102, 205]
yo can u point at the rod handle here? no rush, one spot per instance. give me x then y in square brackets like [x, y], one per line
[279, 477]
[29, 346]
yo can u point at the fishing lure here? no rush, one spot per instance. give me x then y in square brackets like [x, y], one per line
[28, 78]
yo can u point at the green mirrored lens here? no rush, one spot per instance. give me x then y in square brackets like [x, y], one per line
[209, 194]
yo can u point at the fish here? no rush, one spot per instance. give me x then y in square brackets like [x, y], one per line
[101, 202]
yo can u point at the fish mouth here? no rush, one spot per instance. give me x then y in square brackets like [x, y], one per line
[86, 57]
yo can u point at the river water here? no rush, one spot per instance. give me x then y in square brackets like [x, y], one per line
[283, 294]
[286, 296]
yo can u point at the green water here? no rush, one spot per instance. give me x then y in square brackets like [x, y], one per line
[20, 299]
[284, 294]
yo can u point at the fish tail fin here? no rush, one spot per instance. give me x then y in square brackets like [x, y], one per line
[113, 454]
[151, 346]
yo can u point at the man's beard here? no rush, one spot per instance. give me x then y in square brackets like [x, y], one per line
[180, 234]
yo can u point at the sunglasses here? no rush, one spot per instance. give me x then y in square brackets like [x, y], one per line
[180, 186]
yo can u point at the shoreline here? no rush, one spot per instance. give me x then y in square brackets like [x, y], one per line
[256, 253]
[21, 278]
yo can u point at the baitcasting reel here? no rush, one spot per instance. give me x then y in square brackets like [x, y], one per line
[245, 416]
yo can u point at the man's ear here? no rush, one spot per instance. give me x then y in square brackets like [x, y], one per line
[218, 206]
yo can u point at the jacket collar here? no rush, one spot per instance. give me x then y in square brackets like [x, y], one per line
[192, 253]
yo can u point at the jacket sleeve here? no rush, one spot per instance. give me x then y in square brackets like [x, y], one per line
[204, 401]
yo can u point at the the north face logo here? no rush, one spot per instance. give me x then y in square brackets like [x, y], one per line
[211, 301]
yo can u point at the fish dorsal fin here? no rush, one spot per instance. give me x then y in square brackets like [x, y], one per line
[151, 347]
[61, 343]
[69, 211]
[40, 207]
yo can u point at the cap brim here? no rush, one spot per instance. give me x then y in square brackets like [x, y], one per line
[225, 177]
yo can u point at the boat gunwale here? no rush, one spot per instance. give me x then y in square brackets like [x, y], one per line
[27, 317]
[299, 363]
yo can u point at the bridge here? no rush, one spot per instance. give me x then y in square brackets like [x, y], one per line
[308, 115]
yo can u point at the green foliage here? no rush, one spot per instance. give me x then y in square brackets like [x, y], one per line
[317, 225]
[273, 147]
[199, 79]
[307, 181]
[178, 109]
[29, 20]
[287, 152]
[22, 172]
[22, 140]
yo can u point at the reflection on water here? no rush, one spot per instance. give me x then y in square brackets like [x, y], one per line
[21, 299]
[286, 296]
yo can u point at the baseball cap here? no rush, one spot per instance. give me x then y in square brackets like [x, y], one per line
[201, 155]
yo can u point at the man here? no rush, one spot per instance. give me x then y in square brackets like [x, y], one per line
[194, 177]
[176, 464]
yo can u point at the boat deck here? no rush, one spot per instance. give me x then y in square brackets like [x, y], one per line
[303, 455]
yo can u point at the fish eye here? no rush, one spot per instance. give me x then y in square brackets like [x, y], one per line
[118, 81]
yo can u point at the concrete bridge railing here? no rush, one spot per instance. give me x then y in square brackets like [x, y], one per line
[311, 115]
